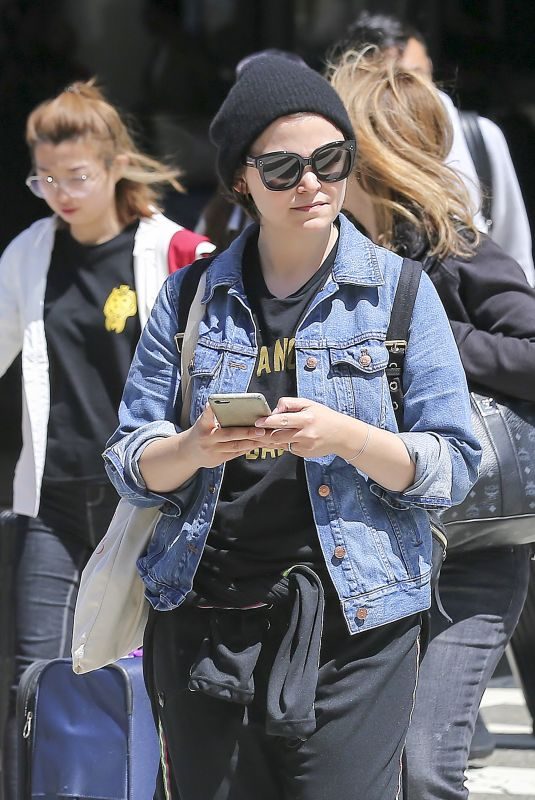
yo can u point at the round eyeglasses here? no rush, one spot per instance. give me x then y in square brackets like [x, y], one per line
[282, 170]
[45, 185]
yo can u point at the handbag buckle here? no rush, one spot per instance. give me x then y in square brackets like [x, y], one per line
[179, 340]
[396, 345]
[487, 405]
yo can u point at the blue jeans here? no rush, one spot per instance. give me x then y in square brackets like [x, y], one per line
[484, 593]
[48, 567]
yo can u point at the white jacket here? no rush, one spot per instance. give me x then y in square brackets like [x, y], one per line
[23, 275]
[510, 225]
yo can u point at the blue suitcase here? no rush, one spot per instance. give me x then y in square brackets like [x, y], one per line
[86, 737]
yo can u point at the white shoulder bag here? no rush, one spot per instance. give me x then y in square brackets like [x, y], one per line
[111, 610]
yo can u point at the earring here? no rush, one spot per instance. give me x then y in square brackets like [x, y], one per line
[241, 186]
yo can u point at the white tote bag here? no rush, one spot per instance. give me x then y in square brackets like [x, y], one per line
[111, 609]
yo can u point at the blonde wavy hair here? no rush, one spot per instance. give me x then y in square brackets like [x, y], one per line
[82, 112]
[403, 137]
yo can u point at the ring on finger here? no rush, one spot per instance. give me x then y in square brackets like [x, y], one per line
[290, 448]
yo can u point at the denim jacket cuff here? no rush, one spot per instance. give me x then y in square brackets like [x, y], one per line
[433, 475]
[122, 466]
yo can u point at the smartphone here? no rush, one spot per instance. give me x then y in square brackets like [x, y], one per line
[239, 410]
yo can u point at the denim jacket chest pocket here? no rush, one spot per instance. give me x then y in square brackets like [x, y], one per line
[357, 375]
[217, 368]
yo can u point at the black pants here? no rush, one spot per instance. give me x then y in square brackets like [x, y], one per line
[214, 750]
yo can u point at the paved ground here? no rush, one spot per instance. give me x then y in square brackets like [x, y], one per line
[510, 771]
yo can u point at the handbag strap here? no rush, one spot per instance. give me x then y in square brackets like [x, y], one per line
[480, 157]
[397, 335]
[189, 313]
[397, 339]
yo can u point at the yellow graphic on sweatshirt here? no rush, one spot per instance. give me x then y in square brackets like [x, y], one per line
[278, 358]
[120, 305]
[265, 452]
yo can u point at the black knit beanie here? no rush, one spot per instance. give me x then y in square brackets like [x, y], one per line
[269, 87]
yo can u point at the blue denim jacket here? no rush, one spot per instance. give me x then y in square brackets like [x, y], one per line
[376, 543]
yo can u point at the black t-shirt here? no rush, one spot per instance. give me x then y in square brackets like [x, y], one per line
[92, 328]
[263, 522]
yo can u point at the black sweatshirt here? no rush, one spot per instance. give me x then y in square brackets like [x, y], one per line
[491, 309]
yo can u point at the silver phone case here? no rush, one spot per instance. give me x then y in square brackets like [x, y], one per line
[239, 410]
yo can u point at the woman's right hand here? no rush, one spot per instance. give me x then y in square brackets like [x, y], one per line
[168, 462]
[209, 445]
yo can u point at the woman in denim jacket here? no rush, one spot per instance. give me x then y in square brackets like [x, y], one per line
[409, 200]
[292, 557]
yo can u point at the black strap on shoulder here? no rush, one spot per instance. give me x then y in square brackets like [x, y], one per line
[397, 336]
[188, 289]
[397, 339]
[480, 157]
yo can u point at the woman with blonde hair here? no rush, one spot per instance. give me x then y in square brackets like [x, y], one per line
[75, 291]
[411, 202]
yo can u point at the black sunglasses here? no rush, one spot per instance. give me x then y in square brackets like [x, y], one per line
[280, 171]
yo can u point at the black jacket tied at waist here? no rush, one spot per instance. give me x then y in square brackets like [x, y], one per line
[224, 667]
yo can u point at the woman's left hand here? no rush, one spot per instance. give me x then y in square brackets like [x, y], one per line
[311, 429]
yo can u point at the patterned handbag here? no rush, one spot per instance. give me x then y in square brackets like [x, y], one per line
[500, 509]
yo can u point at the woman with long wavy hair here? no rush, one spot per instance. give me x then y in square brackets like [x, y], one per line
[408, 200]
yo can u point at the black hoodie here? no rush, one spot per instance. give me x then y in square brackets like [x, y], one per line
[491, 308]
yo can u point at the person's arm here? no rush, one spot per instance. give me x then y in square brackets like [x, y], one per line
[510, 224]
[166, 464]
[10, 323]
[314, 430]
[492, 313]
[437, 427]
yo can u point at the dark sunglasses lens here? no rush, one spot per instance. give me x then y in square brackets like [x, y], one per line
[333, 163]
[280, 171]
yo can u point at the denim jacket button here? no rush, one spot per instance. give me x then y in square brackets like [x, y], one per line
[365, 360]
[362, 613]
[311, 362]
[339, 551]
[212, 489]
[324, 490]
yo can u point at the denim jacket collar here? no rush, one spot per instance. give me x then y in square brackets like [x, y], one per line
[357, 260]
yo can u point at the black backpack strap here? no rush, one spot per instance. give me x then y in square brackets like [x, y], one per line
[397, 336]
[480, 157]
[397, 339]
[188, 289]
